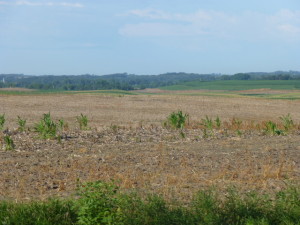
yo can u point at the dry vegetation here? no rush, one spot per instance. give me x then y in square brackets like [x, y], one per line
[127, 142]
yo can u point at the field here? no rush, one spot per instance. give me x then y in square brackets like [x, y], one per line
[127, 142]
[236, 85]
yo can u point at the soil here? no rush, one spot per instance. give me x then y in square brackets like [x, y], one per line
[126, 142]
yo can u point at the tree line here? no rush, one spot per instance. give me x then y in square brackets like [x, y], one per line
[124, 81]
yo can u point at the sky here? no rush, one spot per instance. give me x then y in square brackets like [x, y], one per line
[57, 37]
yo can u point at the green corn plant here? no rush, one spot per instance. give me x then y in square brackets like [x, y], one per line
[207, 123]
[287, 121]
[2, 121]
[177, 120]
[8, 143]
[218, 122]
[271, 128]
[21, 122]
[61, 124]
[46, 128]
[83, 121]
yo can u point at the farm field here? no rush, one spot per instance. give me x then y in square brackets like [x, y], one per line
[127, 142]
[237, 85]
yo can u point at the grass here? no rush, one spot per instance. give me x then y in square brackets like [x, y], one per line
[236, 85]
[103, 203]
[47, 92]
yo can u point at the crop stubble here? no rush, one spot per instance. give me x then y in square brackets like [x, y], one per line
[139, 152]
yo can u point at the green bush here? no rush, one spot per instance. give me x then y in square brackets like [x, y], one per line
[98, 203]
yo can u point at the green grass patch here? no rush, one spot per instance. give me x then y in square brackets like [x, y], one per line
[236, 85]
[102, 203]
[50, 92]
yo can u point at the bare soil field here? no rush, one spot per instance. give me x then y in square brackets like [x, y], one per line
[127, 142]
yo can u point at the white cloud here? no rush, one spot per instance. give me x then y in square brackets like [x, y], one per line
[288, 28]
[245, 25]
[36, 3]
[160, 29]
[149, 13]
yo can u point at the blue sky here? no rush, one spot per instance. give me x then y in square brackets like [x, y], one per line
[148, 37]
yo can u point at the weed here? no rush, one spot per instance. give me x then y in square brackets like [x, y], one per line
[61, 124]
[207, 123]
[83, 121]
[218, 122]
[288, 123]
[21, 122]
[236, 123]
[8, 143]
[46, 128]
[177, 120]
[239, 133]
[271, 128]
[98, 203]
[2, 121]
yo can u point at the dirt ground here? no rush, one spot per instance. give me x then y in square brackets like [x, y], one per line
[127, 142]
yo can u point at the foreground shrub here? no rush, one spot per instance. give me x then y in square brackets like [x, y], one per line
[98, 204]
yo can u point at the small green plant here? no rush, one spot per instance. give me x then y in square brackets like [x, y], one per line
[287, 121]
[21, 122]
[2, 121]
[239, 133]
[83, 122]
[8, 143]
[271, 128]
[61, 124]
[46, 128]
[218, 122]
[177, 120]
[208, 123]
